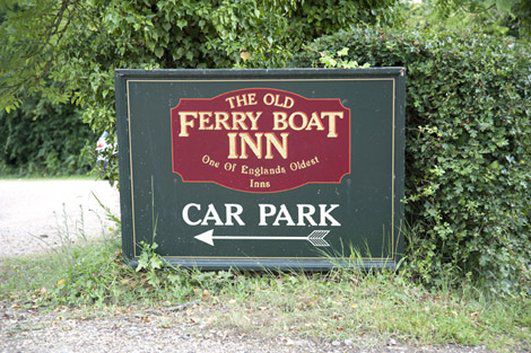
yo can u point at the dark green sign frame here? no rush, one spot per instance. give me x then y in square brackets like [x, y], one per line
[160, 204]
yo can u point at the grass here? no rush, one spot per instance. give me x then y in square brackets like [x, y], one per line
[342, 304]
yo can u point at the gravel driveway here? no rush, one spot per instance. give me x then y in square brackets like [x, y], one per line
[38, 214]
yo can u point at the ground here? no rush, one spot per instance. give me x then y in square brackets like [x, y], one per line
[40, 215]
[182, 330]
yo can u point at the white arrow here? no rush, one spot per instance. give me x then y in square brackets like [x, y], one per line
[316, 238]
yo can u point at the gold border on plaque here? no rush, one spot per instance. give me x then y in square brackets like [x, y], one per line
[393, 176]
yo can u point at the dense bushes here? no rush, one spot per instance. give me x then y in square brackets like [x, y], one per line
[45, 139]
[99, 36]
[467, 151]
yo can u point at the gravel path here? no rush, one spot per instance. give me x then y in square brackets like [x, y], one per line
[39, 214]
[186, 331]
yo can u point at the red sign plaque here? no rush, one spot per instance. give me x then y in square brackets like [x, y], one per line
[260, 140]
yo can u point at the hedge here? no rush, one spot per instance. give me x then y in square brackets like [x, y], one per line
[45, 139]
[467, 148]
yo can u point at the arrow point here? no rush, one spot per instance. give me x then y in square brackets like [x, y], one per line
[206, 237]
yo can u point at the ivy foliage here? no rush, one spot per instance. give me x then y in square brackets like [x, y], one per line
[467, 147]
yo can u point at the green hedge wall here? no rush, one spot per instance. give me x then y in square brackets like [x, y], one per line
[45, 139]
[467, 148]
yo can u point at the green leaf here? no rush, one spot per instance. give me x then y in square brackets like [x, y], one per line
[505, 5]
[343, 52]
[159, 52]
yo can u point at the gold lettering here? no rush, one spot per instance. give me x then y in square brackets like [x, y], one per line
[221, 120]
[238, 118]
[241, 100]
[254, 119]
[279, 121]
[233, 154]
[315, 121]
[288, 102]
[255, 146]
[204, 119]
[252, 99]
[304, 121]
[332, 130]
[185, 123]
[231, 102]
[280, 146]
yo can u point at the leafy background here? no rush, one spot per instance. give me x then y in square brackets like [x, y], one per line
[41, 138]
[467, 111]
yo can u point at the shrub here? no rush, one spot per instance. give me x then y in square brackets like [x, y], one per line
[97, 37]
[467, 148]
[42, 138]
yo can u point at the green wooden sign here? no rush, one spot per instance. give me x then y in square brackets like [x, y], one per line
[292, 168]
